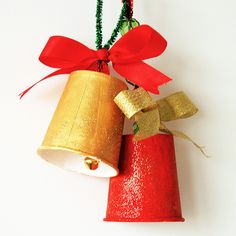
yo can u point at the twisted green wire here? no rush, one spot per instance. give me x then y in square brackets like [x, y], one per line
[115, 32]
[99, 24]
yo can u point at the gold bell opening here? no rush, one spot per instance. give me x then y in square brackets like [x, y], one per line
[86, 129]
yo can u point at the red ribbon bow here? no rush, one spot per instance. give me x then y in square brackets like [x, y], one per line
[140, 43]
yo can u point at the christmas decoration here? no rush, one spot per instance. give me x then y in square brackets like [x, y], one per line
[86, 130]
[77, 130]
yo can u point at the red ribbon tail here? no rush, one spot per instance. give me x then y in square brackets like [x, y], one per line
[143, 75]
[58, 72]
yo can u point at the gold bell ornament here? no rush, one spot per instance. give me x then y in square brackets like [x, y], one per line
[85, 132]
[86, 129]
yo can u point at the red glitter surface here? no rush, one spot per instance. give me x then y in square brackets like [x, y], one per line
[146, 190]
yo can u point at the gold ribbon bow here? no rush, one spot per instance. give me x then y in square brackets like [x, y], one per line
[149, 115]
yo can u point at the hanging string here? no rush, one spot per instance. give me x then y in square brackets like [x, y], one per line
[99, 24]
[115, 32]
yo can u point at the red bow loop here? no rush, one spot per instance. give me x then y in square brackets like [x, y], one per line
[141, 43]
[63, 52]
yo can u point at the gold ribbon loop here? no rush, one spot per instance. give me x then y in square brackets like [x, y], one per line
[150, 114]
[176, 106]
[131, 102]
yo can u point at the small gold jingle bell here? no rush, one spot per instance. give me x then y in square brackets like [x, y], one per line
[90, 163]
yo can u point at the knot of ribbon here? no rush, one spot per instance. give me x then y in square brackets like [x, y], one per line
[149, 115]
[103, 55]
[126, 55]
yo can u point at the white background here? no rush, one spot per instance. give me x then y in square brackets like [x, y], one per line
[39, 199]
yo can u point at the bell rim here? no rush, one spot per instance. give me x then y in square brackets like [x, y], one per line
[156, 219]
[43, 147]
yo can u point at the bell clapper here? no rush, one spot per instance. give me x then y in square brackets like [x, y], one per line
[91, 163]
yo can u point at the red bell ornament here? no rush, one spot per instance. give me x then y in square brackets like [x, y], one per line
[146, 189]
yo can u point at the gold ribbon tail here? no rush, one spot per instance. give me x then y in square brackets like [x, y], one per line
[182, 135]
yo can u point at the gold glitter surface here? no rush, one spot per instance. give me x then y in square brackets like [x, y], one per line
[148, 123]
[87, 120]
[131, 102]
[176, 106]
